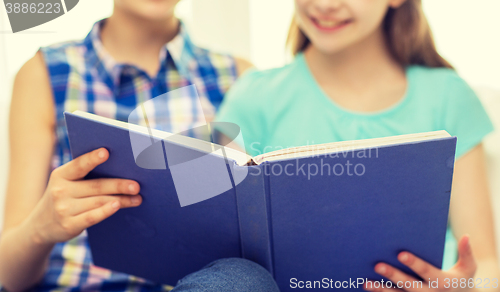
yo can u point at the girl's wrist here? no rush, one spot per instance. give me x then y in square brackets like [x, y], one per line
[35, 235]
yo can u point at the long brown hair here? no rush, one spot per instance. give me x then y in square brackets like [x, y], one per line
[407, 32]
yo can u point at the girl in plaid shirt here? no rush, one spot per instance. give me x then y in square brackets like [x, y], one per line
[139, 52]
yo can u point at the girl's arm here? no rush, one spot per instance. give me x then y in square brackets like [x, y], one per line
[39, 214]
[471, 213]
[242, 65]
[31, 136]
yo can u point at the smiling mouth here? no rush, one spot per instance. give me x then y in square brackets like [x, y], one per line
[330, 25]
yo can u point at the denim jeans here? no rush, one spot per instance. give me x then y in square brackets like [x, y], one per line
[232, 274]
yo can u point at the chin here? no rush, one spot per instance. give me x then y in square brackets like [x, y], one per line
[152, 14]
[330, 47]
[152, 11]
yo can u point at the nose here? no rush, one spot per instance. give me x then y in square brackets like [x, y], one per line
[325, 6]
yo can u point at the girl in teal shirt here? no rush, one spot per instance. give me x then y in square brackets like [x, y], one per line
[367, 69]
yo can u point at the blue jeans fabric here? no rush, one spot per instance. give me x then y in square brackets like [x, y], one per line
[231, 275]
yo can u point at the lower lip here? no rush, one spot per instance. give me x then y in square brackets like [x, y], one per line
[331, 29]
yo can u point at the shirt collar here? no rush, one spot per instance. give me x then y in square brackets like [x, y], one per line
[180, 48]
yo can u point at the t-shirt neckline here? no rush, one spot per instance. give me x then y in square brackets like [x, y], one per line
[300, 59]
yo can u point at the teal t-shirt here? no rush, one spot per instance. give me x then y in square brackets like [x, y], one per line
[285, 107]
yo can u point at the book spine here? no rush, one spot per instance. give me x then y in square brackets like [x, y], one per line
[253, 216]
[267, 191]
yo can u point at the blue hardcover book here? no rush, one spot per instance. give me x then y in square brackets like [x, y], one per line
[311, 213]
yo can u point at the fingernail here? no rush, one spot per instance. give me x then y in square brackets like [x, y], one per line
[135, 200]
[403, 257]
[467, 240]
[381, 270]
[101, 154]
[115, 205]
[131, 188]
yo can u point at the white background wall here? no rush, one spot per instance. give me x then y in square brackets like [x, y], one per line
[467, 34]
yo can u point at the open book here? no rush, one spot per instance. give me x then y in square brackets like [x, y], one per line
[305, 213]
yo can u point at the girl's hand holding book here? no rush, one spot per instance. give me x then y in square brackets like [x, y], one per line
[458, 278]
[70, 204]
